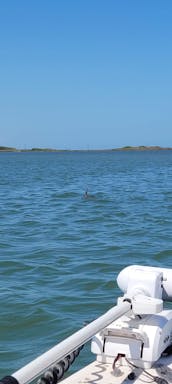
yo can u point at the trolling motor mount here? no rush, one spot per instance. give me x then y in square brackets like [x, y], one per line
[143, 334]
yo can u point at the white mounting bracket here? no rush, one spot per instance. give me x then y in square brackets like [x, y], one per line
[143, 305]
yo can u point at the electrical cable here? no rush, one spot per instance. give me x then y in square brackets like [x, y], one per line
[157, 379]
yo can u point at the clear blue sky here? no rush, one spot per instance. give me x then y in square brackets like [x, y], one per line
[85, 73]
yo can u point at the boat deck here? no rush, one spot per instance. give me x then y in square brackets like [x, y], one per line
[100, 373]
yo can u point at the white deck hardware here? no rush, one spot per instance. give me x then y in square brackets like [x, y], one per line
[134, 333]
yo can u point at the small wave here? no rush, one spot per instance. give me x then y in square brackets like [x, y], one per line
[163, 256]
[65, 195]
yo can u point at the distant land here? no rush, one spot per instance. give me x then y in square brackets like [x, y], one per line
[126, 148]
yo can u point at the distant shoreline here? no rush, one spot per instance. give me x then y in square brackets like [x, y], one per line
[125, 149]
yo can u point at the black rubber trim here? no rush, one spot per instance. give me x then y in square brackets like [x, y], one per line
[9, 380]
[129, 301]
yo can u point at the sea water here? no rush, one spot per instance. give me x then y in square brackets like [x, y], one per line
[61, 251]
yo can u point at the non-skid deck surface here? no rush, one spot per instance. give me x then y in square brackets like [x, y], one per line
[99, 373]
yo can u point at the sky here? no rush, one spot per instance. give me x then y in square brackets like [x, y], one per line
[85, 74]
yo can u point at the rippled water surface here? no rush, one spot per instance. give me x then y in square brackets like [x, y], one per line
[60, 253]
